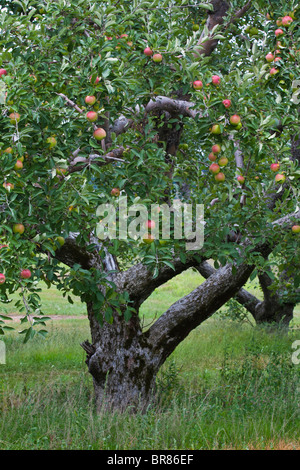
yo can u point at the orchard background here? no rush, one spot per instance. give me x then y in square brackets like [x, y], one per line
[157, 101]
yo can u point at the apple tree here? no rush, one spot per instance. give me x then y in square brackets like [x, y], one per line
[156, 101]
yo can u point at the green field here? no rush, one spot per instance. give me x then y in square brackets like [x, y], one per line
[228, 385]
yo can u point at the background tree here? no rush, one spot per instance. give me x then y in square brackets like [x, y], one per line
[70, 68]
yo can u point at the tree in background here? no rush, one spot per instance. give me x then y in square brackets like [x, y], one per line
[154, 101]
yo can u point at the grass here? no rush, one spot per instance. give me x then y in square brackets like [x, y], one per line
[228, 385]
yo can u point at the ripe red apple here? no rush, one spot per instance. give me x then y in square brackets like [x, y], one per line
[92, 116]
[2, 278]
[216, 80]
[157, 58]
[286, 21]
[197, 84]
[279, 178]
[220, 177]
[19, 228]
[148, 52]
[269, 57]
[212, 157]
[14, 118]
[8, 186]
[115, 192]
[3, 72]
[235, 120]
[99, 133]
[216, 129]
[25, 274]
[223, 161]
[214, 168]
[226, 103]
[278, 32]
[150, 224]
[148, 238]
[90, 100]
[18, 165]
[275, 166]
[241, 179]
[216, 148]
[273, 71]
[296, 228]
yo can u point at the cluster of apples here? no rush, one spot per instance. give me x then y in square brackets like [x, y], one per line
[285, 21]
[25, 274]
[92, 116]
[280, 177]
[155, 57]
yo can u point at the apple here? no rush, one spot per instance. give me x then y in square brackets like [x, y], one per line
[269, 57]
[61, 171]
[273, 71]
[60, 240]
[90, 100]
[148, 52]
[97, 80]
[235, 120]
[296, 228]
[92, 116]
[51, 141]
[124, 35]
[216, 80]
[216, 148]
[216, 129]
[197, 84]
[214, 168]
[19, 228]
[3, 72]
[212, 157]
[226, 103]
[8, 150]
[275, 166]
[2, 278]
[18, 165]
[241, 179]
[195, 27]
[8, 186]
[279, 178]
[99, 133]
[150, 224]
[148, 238]
[223, 161]
[278, 32]
[279, 21]
[115, 192]
[220, 177]
[25, 274]
[277, 59]
[14, 118]
[286, 21]
[157, 58]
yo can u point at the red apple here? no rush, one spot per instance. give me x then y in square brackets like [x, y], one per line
[212, 157]
[157, 58]
[8, 186]
[18, 228]
[216, 148]
[278, 32]
[90, 100]
[226, 103]
[235, 119]
[286, 21]
[220, 177]
[148, 52]
[279, 178]
[18, 165]
[214, 168]
[216, 80]
[25, 274]
[197, 84]
[99, 133]
[8, 150]
[3, 72]
[97, 80]
[277, 59]
[275, 166]
[241, 179]
[92, 116]
[269, 57]
[115, 192]
[2, 278]
[296, 228]
[273, 71]
[150, 224]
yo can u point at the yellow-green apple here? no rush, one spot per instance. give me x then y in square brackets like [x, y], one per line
[14, 118]
[241, 179]
[216, 129]
[19, 228]
[60, 240]
[278, 32]
[99, 133]
[8, 150]
[235, 120]
[286, 21]
[279, 178]
[18, 165]
[296, 228]
[223, 161]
